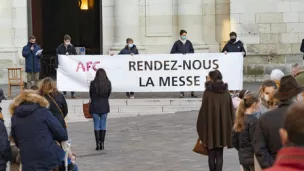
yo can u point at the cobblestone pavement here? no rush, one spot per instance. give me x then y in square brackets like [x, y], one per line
[147, 143]
[250, 86]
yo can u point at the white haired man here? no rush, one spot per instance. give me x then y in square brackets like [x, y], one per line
[276, 76]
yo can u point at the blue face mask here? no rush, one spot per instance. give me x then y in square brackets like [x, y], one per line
[130, 45]
[183, 37]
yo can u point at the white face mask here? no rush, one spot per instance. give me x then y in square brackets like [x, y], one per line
[266, 97]
[67, 43]
[299, 97]
[130, 45]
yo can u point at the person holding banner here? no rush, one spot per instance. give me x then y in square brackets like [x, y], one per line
[66, 48]
[129, 49]
[215, 119]
[183, 46]
[100, 91]
[234, 45]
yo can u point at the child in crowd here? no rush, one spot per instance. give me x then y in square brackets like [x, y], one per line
[239, 96]
[244, 128]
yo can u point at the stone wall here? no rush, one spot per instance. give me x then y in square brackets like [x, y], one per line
[269, 26]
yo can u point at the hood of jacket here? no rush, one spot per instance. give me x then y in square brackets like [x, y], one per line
[27, 102]
[216, 87]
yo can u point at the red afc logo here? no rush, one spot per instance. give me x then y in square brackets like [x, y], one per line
[86, 67]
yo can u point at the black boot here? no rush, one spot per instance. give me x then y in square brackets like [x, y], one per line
[102, 134]
[97, 138]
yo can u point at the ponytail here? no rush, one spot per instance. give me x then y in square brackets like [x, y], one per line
[240, 115]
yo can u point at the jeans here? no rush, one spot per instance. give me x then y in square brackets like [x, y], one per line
[72, 93]
[100, 121]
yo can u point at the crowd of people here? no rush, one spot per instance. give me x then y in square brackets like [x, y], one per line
[258, 125]
[38, 121]
[266, 127]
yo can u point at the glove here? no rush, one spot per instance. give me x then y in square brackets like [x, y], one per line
[66, 145]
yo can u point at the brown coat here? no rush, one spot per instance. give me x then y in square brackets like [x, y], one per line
[216, 116]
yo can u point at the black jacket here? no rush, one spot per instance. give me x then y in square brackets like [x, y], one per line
[99, 102]
[243, 141]
[180, 48]
[62, 104]
[237, 46]
[267, 141]
[5, 149]
[128, 51]
[62, 50]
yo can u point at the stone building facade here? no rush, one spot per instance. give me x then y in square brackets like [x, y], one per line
[272, 30]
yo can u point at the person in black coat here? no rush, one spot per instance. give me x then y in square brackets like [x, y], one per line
[100, 91]
[5, 149]
[183, 46]
[130, 49]
[267, 141]
[244, 128]
[58, 105]
[66, 48]
[234, 45]
[34, 130]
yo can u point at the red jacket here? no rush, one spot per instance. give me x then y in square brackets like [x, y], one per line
[289, 159]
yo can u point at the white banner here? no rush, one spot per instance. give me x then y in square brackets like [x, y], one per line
[150, 73]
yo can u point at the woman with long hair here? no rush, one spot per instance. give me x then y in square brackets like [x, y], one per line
[58, 104]
[215, 120]
[266, 91]
[244, 128]
[100, 91]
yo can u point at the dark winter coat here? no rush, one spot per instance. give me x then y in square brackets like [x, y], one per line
[243, 141]
[267, 141]
[180, 48]
[62, 104]
[128, 51]
[99, 102]
[35, 130]
[63, 50]
[32, 61]
[5, 149]
[216, 116]
[237, 46]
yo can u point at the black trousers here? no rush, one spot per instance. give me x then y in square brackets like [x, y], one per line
[215, 159]
[248, 167]
[128, 94]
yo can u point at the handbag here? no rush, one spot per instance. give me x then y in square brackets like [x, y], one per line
[86, 110]
[200, 148]
[66, 125]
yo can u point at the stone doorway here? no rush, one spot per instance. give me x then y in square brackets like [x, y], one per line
[49, 21]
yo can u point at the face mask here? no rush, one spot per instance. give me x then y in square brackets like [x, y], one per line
[67, 43]
[233, 40]
[266, 97]
[130, 45]
[183, 37]
[299, 97]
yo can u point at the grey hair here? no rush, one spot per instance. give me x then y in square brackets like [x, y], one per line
[276, 74]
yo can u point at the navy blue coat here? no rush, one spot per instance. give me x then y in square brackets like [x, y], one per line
[128, 51]
[180, 48]
[100, 101]
[5, 149]
[32, 61]
[35, 129]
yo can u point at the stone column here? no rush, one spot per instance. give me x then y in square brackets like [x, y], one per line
[126, 16]
[190, 18]
[6, 16]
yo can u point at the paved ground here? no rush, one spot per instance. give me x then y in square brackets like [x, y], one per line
[251, 86]
[148, 143]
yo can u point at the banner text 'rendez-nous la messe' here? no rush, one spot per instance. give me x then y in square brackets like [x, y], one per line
[150, 73]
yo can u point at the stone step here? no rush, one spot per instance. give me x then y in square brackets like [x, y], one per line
[124, 107]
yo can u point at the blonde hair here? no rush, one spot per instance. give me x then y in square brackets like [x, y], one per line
[245, 103]
[48, 86]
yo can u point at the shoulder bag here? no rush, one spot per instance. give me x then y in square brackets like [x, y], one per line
[59, 109]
